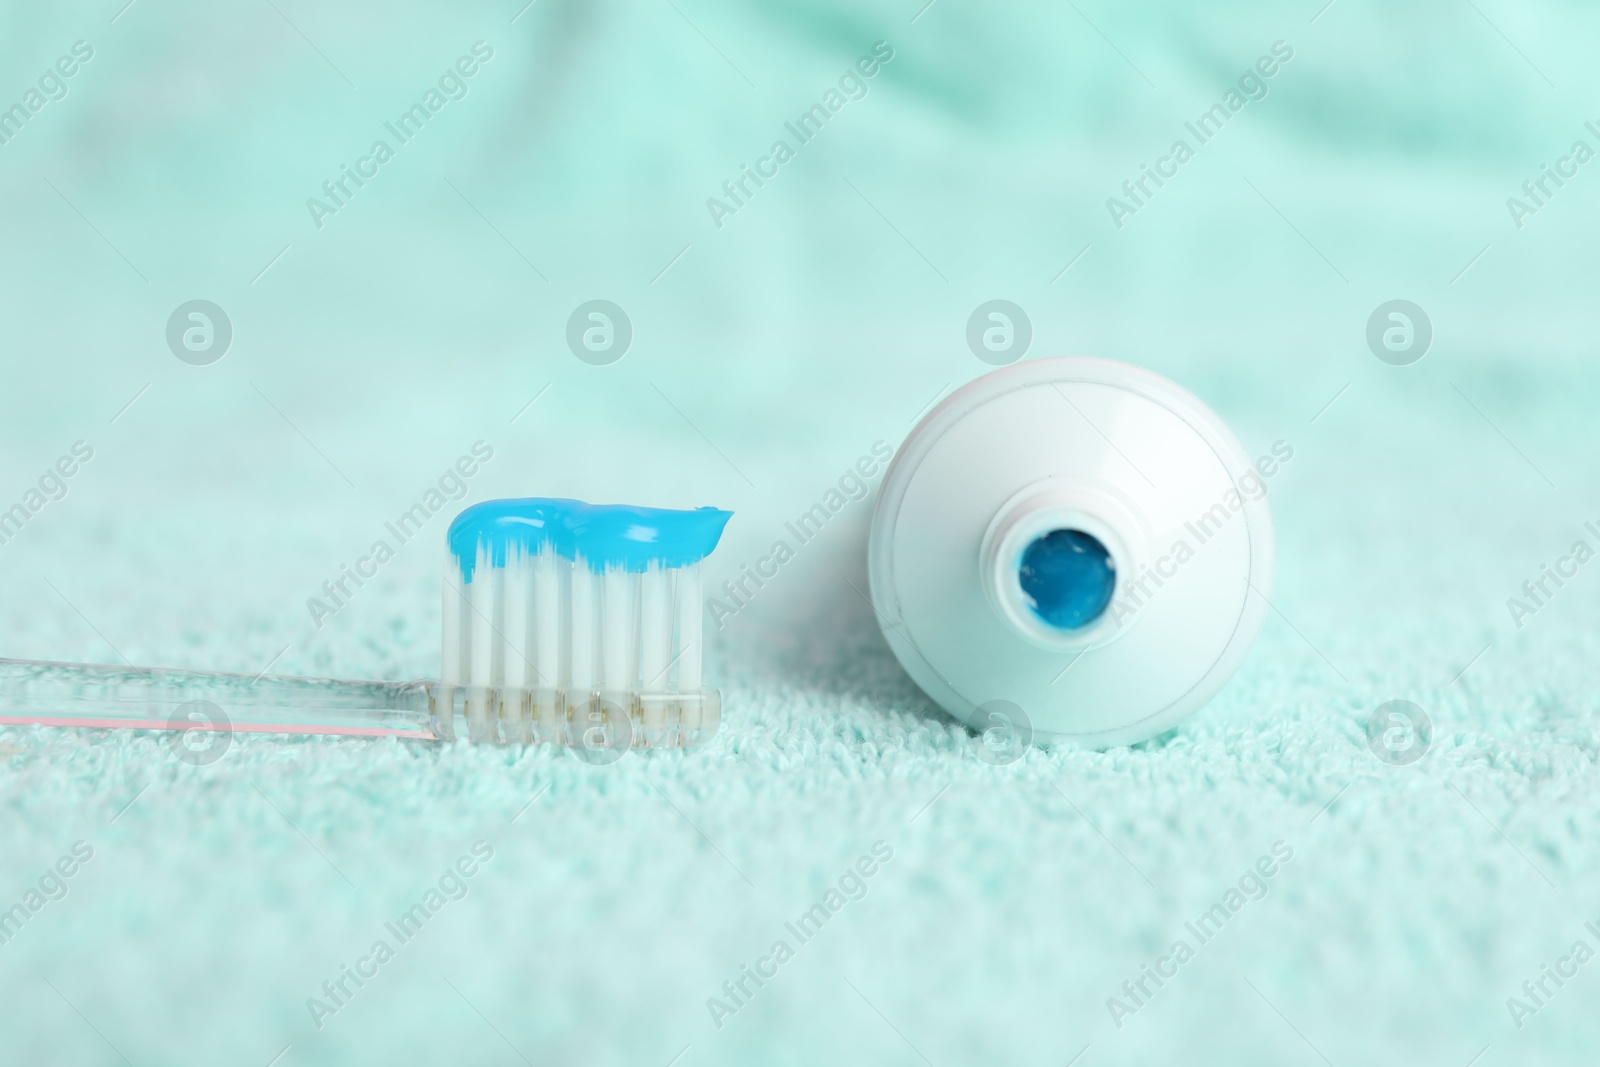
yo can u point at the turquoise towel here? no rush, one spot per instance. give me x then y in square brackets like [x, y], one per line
[1012, 914]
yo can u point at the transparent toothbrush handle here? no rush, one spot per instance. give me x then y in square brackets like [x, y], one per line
[159, 698]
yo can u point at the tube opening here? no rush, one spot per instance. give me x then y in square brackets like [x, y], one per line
[1067, 578]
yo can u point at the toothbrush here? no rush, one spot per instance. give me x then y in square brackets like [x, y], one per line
[564, 623]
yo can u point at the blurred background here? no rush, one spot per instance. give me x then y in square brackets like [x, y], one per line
[377, 332]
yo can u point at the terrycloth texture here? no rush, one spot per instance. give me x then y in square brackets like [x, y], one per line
[821, 317]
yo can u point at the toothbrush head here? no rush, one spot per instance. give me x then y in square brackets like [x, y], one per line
[576, 624]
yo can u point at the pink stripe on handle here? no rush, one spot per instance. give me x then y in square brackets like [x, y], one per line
[242, 728]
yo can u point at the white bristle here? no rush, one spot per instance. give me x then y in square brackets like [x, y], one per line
[619, 628]
[480, 626]
[542, 622]
[687, 598]
[655, 628]
[547, 618]
[515, 644]
[582, 627]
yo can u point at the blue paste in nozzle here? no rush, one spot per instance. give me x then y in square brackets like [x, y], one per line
[1068, 578]
[615, 535]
